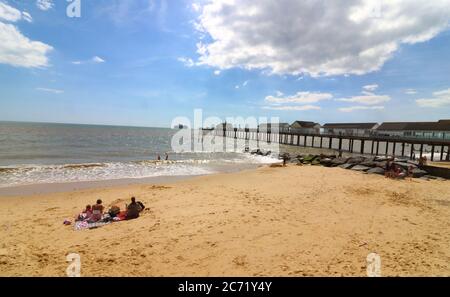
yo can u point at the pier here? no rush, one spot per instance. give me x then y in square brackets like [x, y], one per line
[411, 148]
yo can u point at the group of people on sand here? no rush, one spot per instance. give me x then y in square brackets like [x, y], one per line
[393, 170]
[96, 213]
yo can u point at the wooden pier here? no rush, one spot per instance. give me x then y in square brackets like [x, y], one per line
[365, 145]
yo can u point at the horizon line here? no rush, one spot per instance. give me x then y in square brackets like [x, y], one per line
[83, 124]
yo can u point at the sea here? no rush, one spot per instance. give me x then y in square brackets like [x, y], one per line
[44, 153]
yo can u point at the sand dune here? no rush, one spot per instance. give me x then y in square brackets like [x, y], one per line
[294, 221]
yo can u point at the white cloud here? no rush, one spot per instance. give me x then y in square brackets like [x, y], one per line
[314, 37]
[97, 59]
[300, 98]
[244, 84]
[216, 72]
[355, 108]
[439, 99]
[186, 61]
[410, 92]
[9, 14]
[196, 7]
[27, 17]
[367, 99]
[295, 107]
[15, 48]
[54, 91]
[19, 51]
[44, 4]
[370, 88]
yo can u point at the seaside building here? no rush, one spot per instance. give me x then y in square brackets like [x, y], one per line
[357, 129]
[305, 127]
[228, 127]
[430, 130]
[278, 127]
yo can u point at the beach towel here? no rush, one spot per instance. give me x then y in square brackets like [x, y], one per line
[82, 225]
[85, 225]
[97, 225]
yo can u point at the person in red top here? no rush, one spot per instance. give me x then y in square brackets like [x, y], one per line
[85, 214]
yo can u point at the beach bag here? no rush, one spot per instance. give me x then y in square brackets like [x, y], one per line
[114, 211]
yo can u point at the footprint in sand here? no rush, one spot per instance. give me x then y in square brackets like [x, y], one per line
[240, 261]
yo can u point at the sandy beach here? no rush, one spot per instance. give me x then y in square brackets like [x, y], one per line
[293, 221]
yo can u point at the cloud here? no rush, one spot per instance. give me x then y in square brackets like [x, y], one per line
[367, 99]
[11, 14]
[97, 59]
[244, 84]
[439, 99]
[355, 108]
[295, 107]
[320, 38]
[196, 7]
[300, 98]
[410, 92]
[19, 51]
[186, 61]
[27, 17]
[44, 4]
[370, 88]
[54, 91]
[15, 48]
[216, 72]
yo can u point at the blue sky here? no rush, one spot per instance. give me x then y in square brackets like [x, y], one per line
[142, 62]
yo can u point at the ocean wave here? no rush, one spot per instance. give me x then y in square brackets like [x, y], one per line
[37, 174]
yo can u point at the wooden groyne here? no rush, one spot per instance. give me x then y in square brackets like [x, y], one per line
[411, 148]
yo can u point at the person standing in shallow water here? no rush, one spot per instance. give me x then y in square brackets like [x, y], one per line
[158, 158]
[167, 156]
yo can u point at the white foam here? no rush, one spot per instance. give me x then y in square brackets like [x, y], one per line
[39, 174]
[27, 174]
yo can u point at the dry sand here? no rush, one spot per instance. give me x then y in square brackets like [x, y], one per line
[294, 221]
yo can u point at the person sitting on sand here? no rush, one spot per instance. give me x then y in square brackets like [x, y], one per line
[85, 214]
[97, 211]
[134, 208]
[422, 161]
[398, 172]
[410, 173]
[387, 169]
